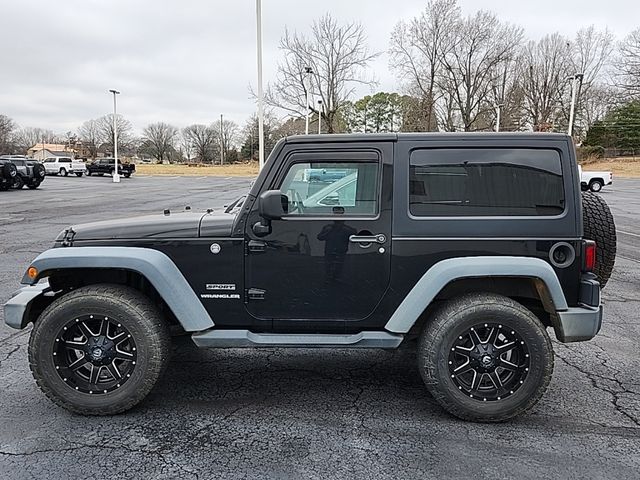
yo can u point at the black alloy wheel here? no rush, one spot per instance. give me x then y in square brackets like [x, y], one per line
[489, 362]
[94, 354]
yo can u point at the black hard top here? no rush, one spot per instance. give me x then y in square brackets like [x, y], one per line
[447, 136]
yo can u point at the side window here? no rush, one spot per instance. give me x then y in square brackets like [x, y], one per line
[49, 160]
[328, 188]
[485, 182]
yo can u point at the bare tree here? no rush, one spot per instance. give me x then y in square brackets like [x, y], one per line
[627, 72]
[27, 137]
[7, 125]
[90, 134]
[337, 56]
[125, 131]
[160, 139]
[417, 49]
[544, 67]
[474, 63]
[203, 140]
[229, 139]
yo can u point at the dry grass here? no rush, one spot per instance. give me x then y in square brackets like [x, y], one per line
[621, 166]
[234, 170]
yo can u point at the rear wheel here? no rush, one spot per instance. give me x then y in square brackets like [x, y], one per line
[596, 185]
[99, 350]
[485, 358]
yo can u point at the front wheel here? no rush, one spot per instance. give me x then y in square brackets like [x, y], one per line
[78, 174]
[485, 358]
[99, 350]
[63, 172]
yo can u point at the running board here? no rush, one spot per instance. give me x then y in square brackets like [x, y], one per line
[245, 338]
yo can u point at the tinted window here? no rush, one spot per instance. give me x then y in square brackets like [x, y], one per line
[340, 188]
[487, 182]
[18, 163]
[64, 160]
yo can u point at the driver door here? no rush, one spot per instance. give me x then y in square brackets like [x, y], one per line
[328, 259]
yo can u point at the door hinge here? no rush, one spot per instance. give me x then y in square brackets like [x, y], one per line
[254, 294]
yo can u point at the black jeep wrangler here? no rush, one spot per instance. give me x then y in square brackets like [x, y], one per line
[472, 244]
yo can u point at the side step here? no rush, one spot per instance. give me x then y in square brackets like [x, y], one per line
[246, 339]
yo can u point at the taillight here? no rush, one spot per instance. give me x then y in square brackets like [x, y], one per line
[589, 255]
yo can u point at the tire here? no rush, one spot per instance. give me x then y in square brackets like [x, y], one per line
[599, 226]
[451, 327]
[88, 173]
[18, 183]
[596, 185]
[34, 185]
[78, 174]
[141, 356]
[9, 170]
[63, 171]
[127, 175]
[39, 171]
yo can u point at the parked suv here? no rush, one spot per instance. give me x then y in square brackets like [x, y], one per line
[108, 166]
[64, 166]
[472, 244]
[28, 172]
[8, 174]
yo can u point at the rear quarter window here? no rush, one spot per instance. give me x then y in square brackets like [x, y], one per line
[485, 182]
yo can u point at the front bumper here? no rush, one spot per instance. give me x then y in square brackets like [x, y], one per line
[16, 310]
[578, 324]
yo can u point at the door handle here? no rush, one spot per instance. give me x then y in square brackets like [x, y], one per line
[379, 238]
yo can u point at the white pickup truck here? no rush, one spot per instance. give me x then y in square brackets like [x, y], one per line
[594, 181]
[64, 166]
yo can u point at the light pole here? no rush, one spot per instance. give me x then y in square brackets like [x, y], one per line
[221, 143]
[116, 175]
[307, 74]
[498, 112]
[574, 93]
[319, 117]
[260, 90]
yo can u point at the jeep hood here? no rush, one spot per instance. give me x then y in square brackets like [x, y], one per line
[172, 225]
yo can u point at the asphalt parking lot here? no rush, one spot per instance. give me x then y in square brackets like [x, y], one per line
[310, 413]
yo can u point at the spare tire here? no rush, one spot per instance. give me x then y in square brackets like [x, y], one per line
[600, 227]
[9, 170]
[38, 171]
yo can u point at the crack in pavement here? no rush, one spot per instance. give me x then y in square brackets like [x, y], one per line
[11, 352]
[593, 378]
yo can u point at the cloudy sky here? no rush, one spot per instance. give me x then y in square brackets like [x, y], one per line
[188, 61]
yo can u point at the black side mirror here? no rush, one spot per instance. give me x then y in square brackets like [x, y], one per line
[272, 205]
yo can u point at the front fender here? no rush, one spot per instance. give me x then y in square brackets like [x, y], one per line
[154, 265]
[446, 271]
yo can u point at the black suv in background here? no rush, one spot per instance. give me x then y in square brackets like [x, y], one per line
[27, 172]
[101, 166]
[476, 245]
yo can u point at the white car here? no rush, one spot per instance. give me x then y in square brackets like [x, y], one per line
[64, 166]
[594, 181]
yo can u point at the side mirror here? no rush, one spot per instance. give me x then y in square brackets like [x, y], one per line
[273, 205]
